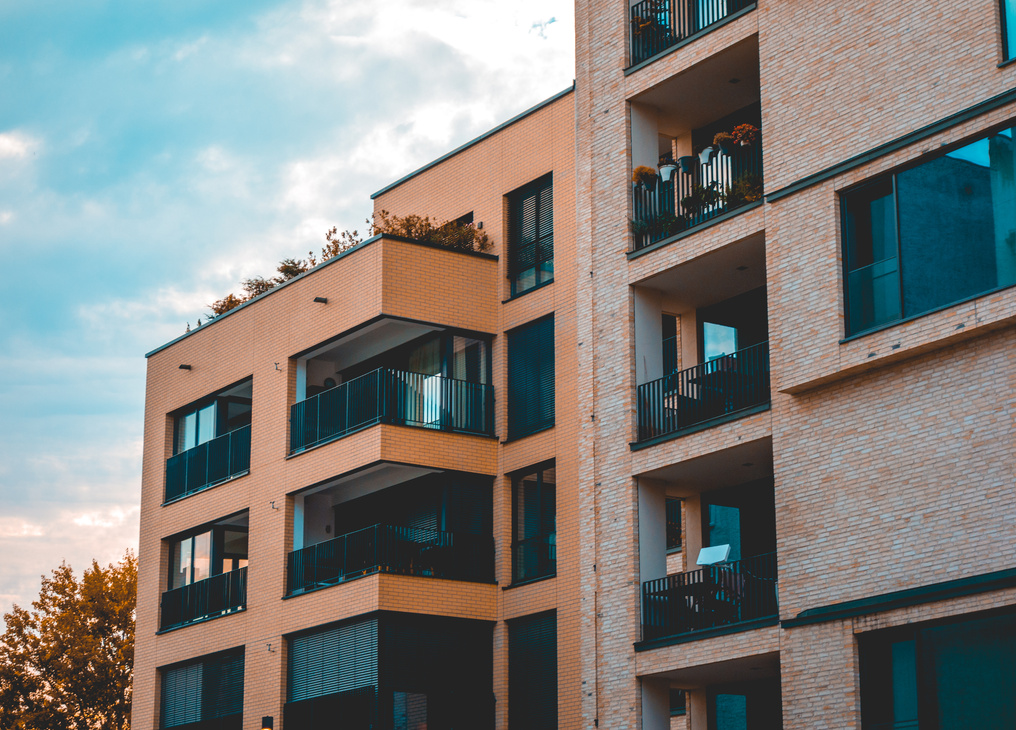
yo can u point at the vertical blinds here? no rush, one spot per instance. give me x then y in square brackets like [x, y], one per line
[532, 672]
[207, 689]
[531, 378]
[531, 233]
[336, 660]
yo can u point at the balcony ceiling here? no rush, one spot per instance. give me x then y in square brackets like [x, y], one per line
[704, 93]
[366, 342]
[744, 669]
[366, 481]
[737, 465]
[714, 277]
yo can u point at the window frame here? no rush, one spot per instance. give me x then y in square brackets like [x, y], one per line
[517, 699]
[1008, 33]
[517, 480]
[541, 243]
[209, 704]
[517, 426]
[221, 416]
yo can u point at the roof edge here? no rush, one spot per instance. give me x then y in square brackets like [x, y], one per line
[477, 140]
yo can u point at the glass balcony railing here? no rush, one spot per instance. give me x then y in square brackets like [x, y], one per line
[715, 595]
[688, 199]
[207, 464]
[389, 549]
[392, 396]
[215, 596]
[534, 557]
[656, 25]
[698, 394]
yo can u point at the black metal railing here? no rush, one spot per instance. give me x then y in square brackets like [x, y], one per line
[392, 396]
[670, 357]
[656, 25]
[206, 464]
[688, 199]
[389, 549]
[712, 389]
[715, 595]
[534, 557]
[215, 596]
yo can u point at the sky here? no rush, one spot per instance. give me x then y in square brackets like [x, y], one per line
[153, 154]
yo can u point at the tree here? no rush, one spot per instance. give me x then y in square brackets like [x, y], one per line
[68, 663]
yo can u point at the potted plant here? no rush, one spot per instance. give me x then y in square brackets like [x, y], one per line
[746, 135]
[746, 188]
[687, 163]
[645, 176]
[707, 154]
[701, 197]
[667, 167]
[725, 141]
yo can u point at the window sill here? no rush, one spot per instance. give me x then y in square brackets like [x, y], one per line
[527, 434]
[527, 291]
[1010, 62]
[528, 581]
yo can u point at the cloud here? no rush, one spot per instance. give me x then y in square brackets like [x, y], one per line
[17, 145]
[6, 217]
[16, 527]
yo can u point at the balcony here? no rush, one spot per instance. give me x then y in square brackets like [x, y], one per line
[215, 596]
[711, 597]
[395, 397]
[726, 181]
[656, 25]
[208, 464]
[711, 390]
[534, 558]
[392, 549]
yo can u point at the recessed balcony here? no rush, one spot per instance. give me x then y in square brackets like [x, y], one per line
[657, 25]
[395, 519]
[406, 374]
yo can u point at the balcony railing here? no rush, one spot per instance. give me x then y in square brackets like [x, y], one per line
[215, 596]
[692, 396]
[208, 464]
[689, 199]
[716, 595]
[534, 557]
[392, 396]
[656, 25]
[388, 549]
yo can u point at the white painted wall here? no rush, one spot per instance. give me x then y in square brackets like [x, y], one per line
[655, 704]
[317, 516]
[652, 530]
[644, 136]
[648, 335]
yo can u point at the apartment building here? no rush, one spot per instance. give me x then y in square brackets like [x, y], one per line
[718, 434]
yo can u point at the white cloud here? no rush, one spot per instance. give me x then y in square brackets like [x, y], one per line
[17, 145]
[17, 527]
[189, 49]
[6, 216]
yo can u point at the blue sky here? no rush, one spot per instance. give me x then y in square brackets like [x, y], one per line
[153, 154]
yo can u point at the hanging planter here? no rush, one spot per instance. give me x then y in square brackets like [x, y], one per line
[644, 176]
[706, 155]
[687, 163]
[746, 134]
[667, 170]
[725, 141]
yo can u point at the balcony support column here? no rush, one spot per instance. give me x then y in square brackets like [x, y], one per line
[655, 704]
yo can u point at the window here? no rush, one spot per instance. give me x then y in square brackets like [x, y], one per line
[218, 549]
[1008, 29]
[216, 415]
[531, 236]
[940, 676]
[931, 235]
[678, 703]
[531, 378]
[673, 507]
[534, 525]
[206, 694]
[532, 672]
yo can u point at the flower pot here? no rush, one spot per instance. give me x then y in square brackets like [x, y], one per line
[706, 155]
[687, 163]
[667, 170]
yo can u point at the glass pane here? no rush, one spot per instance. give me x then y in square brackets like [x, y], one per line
[545, 271]
[731, 712]
[873, 295]
[718, 340]
[202, 556]
[188, 432]
[234, 543]
[524, 281]
[725, 528]
[904, 660]
[1009, 7]
[410, 711]
[180, 574]
[469, 360]
[426, 358]
[206, 424]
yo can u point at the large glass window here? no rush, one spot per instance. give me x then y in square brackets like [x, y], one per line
[933, 677]
[531, 235]
[531, 378]
[931, 235]
[204, 694]
[532, 672]
[1009, 28]
[218, 549]
[534, 525]
[216, 415]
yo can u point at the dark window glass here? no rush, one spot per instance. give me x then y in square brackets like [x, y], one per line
[534, 525]
[532, 673]
[531, 235]
[208, 691]
[670, 358]
[216, 550]
[1009, 28]
[952, 675]
[673, 507]
[531, 378]
[931, 235]
[678, 702]
[214, 416]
